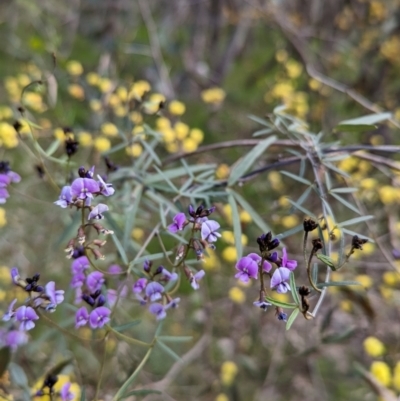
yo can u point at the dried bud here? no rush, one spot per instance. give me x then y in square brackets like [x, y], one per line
[317, 244]
[82, 172]
[309, 225]
[99, 243]
[97, 254]
[357, 243]
[81, 235]
[180, 251]
[88, 299]
[50, 381]
[280, 314]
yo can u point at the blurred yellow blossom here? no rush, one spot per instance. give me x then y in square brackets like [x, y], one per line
[5, 112]
[85, 139]
[213, 95]
[176, 108]
[377, 140]
[139, 129]
[152, 106]
[396, 376]
[282, 90]
[105, 85]
[102, 144]
[122, 93]
[162, 123]
[171, 147]
[275, 180]
[293, 68]
[283, 202]
[59, 134]
[348, 164]
[229, 370]
[34, 101]
[346, 305]
[245, 217]
[62, 380]
[290, 221]
[134, 150]
[229, 254]
[284, 297]
[189, 145]
[92, 78]
[391, 278]
[136, 117]
[221, 397]
[389, 49]
[23, 80]
[387, 194]
[74, 67]
[182, 130]
[229, 238]
[314, 85]
[95, 105]
[3, 219]
[139, 88]
[114, 100]
[381, 371]
[137, 234]
[377, 10]
[281, 55]
[76, 91]
[387, 293]
[211, 261]
[365, 280]
[237, 295]
[222, 171]
[374, 347]
[197, 135]
[8, 135]
[120, 111]
[5, 275]
[368, 183]
[109, 129]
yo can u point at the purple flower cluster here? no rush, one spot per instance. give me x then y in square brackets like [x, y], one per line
[149, 291]
[46, 298]
[6, 177]
[81, 192]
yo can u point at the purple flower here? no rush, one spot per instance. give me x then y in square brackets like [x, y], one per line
[10, 312]
[81, 317]
[290, 264]
[154, 291]
[167, 276]
[247, 267]
[15, 275]
[139, 286]
[65, 197]
[105, 189]
[195, 278]
[80, 264]
[173, 303]
[112, 295]
[96, 212]
[55, 296]
[115, 269]
[15, 338]
[65, 394]
[77, 280]
[99, 317]
[140, 299]
[281, 316]
[84, 188]
[147, 265]
[3, 195]
[26, 315]
[279, 280]
[267, 266]
[179, 222]
[262, 304]
[94, 281]
[209, 231]
[158, 310]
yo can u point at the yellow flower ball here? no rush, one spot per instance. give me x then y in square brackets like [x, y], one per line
[95, 105]
[314, 84]
[222, 171]
[229, 370]
[34, 101]
[290, 221]
[134, 150]
[93, 79]
[365, 280]
[396, 376]
[3, 219]
[76, 91]
[229, 254]
[349, 164]
[105, 85]
[229, 238]
[85, 139]
[102, 144]
[189, 145]
[5, 275]
[153, 105]
[171, 147]
[109, 129]
[182, 130]
[59, 134]
[74, 67]
[163, 123]
[211, 261]
[374, 347]
[221, 397]
[139, 88]
[281, 55]
[281, 297]
[391, 278]
[114, 100]
[387, 194]
[346, 305]
[197, 135]
[293, 68]
[213, 95]
[120, 111]
[136, 117]
[275, 180]
[237, 295]
[137, 234]
[283, 202]
[138, 130]
[62, 380]
[5, 113]
[23, 80]
[381, 371]
[8, 135]
[122, 93]
[176, 108]
[368, 183]
[387, 293]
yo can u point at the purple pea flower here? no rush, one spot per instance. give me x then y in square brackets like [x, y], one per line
[105, 189]
[84, 188]
[65, 197]
[15, 277]
[99, 317]
[281, 316]
[81, 317]
[3, 195]
[26, 315]
[247, 267]
[209, 230]
[154, 291]
[55, 296]
[178, 224]
[94, 281]
[15, 338]
[77, 280]
[279, 280]
[173, 303]
[10, 312]
[115, 269]
[168, 276]
[158, 310]
[65, 394]
[139, 286]
[80, 264]
[290, 264]
[262, 304]
[196, 278]
[96, 212]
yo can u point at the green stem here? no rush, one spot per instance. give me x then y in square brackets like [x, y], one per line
[103, 362]
[128, 339]
[309, 272]
[305, 246]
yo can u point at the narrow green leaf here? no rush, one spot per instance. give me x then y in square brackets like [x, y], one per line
[151, 152]
[290, 232]
[292, 318]
[314, 273]
[179, 172]
[18, 375]
[169, 351]
[247, 161]
[336, 158]
[158, 198]
[339, 337]
[237, 228]
[302, 209]
[151, 257]
[5, 357]
[354, 127]
[328, 180]
[293, 289]
[254, 215]
[345, 202]
[127, 326]
[172, 339]
[326, 259]
[296, 178]
[119, 246]
[131, 213]
[53, 147]
[280, 303]
[338, 284]
[355, 220]
[352, 233]
[166, 179]
[139, 392]
[83, 394]
[263, 132]
[343, 190]
[259, 120]
[335, 169]
[368, 119]
[304, 196]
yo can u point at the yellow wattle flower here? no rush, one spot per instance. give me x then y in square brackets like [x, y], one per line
[381, 371]
[374, 347]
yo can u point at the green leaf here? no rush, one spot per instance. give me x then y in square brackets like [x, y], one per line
[247, 161]
[292, 318]
[314, 273]
[297, 178]
[290, 232]
[343, 190]
[263, 132]
[354, 127]
[18, 375]
[173, 339]
[335, 169]
[304, 195]
[166, 179]
[369, 119]
[302, 209]
[83, 394]
[127, 326]
[53, 147]
[345, 202]
[339, 337]
[327, 260]
[168, 350]
[338, 284]
[120, 248]
[259, 120]
[151, 257]
[280, 303]
[178, 172]
[151, 152]
[130, 214]
[237, 229]
[355, 220]
[139, 392]
[5, 357]
[293, 289]
[352, 233]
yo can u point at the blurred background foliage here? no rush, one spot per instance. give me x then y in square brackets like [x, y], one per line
[213, 63]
